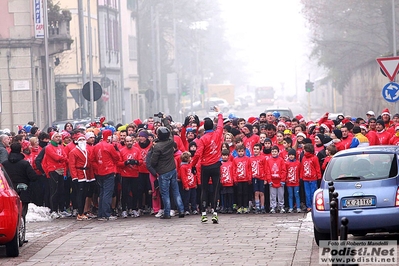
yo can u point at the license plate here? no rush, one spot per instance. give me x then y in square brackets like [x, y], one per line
[358, 202]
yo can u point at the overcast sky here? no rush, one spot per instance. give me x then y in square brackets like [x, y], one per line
[272, 38]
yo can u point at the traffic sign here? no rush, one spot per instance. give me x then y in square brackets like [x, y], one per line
[390, 92]
[390, 66]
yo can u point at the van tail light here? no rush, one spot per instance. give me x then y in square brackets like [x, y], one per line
[397, 198]
[320, 201]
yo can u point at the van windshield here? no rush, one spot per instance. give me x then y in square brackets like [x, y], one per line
[362, 167]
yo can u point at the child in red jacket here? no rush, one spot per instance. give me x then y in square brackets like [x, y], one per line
[292, 181]
[310, 173]
[189, 183]
[260, 170]
[278, 174]
[227, 182]
[242, 178]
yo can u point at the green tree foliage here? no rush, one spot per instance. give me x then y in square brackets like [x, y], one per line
[348, 33]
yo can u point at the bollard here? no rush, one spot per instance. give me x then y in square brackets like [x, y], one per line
[333, 220]
[344, 229]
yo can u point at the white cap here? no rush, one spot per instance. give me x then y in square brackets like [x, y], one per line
[370, 113]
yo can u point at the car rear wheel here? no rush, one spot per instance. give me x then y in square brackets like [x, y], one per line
[12, 247]
[320, 236]
[22, 231]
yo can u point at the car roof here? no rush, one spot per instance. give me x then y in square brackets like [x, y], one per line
[367, 149]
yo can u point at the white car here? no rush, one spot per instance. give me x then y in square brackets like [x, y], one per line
[223, 105]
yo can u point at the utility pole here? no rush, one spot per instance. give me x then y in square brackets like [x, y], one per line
[82, 45]
[47, 70]
[90, 62]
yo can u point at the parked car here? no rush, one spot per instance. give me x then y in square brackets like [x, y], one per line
[76, 123]
[240, 103]
[284, 111]
[12, 226]
[223, 105]
[367, 182]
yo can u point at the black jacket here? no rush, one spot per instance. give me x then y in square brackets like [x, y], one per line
[19, 171]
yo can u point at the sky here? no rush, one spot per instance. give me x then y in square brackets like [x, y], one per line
[272, 38]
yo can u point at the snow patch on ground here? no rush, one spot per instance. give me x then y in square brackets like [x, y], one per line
[38, 214]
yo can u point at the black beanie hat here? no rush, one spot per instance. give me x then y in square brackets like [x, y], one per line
[338, 133]
[208, 123]
[291, 152]
[381, 122]
[321, 137]
[249, 126]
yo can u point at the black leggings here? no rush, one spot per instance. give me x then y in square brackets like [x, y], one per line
[56, 192]
[80, 195]
[210, 171]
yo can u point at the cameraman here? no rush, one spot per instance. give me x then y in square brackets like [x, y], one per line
[163, 162]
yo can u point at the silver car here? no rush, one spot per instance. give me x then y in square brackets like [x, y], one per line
[367, 183]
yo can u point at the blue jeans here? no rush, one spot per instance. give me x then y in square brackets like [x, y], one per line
[293, 192]
[166, 181]
[310, 188]
[106, 184]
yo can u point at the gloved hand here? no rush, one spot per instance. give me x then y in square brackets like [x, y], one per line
[134, 162]
[116, 147]
[127, 162]
[282, 183]
[186, 121]
[194, 170]
[196, 119]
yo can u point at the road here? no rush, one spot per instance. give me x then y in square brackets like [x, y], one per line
[278, 239]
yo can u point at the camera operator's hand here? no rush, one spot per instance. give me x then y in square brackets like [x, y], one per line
[196, 119]
[186, 121]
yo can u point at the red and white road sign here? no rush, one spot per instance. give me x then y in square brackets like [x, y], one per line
[390, 66]
[105, 96]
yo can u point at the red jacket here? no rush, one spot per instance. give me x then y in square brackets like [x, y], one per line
[209, 146]
[105, 157]
[278, 171]
[310, 167]
[242, 171]
[292, 173]
[92, 170]
[143, 153]
[188, 179]
[384, 137]
[250, 142]
[79, 164]
[259, 167]
[54, 158]
[34, 153]
[226, 174]
[373, 138]
[127, 154]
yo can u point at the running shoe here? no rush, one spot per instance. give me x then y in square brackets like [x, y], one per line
[204, 219]
[215, 218]
[124, 214]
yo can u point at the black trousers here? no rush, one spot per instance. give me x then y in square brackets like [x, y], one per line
[213, 172]
[80, 195]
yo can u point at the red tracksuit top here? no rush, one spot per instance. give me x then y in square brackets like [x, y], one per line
[106, 158]
[310, 167]
[209, 146]
[54, 158]
[259, 167]
[278, 171]
[127, 154]
[188, 179]
[242, 169]
[226, 174]
[293, 168]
